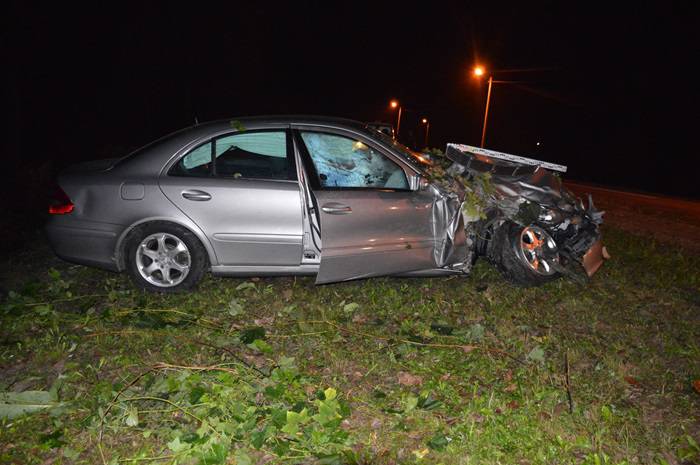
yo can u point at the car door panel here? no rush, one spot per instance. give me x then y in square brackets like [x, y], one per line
[386, 232]
[371, 223]
[249, 222]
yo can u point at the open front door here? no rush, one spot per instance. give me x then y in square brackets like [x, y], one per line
[373, 233]
[372, 224]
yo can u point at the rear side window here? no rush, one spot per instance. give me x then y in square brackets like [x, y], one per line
[254, 155]
[197, 162]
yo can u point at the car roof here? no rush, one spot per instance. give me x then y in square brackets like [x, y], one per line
[287, 119]
[161, 150]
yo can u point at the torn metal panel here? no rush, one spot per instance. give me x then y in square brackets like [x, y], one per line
[594, 257]
[452, 247]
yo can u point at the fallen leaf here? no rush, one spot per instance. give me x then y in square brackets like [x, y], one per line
[438, 442]
[265, 321]
[513, 404]
[351, 307]
[560, 408]
[536, 355]
[407, 379]
[421, 453]
[468, 348]
[511, 387]
[15, 404]
[631, 381]
[476, 332]
[442, 328]
[508, 376]
[696, 385]
[59, 366]
[251, 334]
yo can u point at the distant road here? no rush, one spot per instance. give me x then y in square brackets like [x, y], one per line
[667, 219]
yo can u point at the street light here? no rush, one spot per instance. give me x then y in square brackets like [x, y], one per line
[395, 104]
[478, 72]
[427, 129]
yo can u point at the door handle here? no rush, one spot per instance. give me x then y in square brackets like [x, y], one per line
[334, 208]
[197, 196]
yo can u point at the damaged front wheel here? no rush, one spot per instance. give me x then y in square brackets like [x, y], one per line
[526, 255]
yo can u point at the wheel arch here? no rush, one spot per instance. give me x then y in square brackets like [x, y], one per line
[119, 251]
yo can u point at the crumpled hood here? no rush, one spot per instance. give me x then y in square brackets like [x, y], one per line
[518, 180]
[511, 175]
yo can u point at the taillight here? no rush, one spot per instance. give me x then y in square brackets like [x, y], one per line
[60, 203]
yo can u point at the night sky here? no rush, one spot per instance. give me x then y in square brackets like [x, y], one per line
[610, 90]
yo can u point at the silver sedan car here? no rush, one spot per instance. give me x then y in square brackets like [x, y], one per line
[287, 196]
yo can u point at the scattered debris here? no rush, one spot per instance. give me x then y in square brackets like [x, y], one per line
[568, 381]
[407, 379]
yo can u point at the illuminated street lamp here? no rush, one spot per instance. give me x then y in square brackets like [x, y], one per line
[395, 104]
[478, 72]
[427, 129]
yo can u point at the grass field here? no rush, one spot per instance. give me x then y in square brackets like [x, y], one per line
[452, 371]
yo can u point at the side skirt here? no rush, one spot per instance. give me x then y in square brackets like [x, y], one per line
[310, 270]
[226, 270]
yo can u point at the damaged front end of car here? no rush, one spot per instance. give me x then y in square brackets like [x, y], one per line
[519, 216]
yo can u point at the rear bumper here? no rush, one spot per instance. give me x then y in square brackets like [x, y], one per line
[85, 243]
[594, 257]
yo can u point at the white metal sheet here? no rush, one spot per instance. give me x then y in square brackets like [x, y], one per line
[508, 157]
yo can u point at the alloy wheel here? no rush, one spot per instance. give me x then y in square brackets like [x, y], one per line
[163, 260]
[538, 251]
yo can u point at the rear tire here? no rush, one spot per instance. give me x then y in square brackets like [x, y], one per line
[525, 255]
[164, 257]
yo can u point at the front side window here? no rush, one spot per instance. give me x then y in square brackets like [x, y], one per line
[342, 162]
[255, 155]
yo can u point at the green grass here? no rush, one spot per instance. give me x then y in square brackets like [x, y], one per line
[452, 371]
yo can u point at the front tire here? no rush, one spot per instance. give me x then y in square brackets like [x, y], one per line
[525, 255]
[164, 257]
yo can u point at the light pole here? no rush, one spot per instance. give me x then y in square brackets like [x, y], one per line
[395, 104]
[427, 130]
[478, 72]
